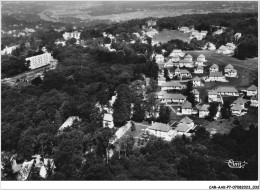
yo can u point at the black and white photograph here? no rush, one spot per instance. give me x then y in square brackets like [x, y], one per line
[129, 95]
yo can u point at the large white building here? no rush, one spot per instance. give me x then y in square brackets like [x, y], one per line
[39, 60]
[8, 50]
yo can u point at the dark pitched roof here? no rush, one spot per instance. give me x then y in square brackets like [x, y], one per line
[236, 107]
[186, 120]
[182, 127]
[174, 96]
[172, 84]
[214, 66]
[226, 89]
[216, 74]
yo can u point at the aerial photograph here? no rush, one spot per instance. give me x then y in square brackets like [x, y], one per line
[129, 91]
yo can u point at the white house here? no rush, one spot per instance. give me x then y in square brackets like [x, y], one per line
[177, 52]
[184, 126]
[196, 94]
[227, 91]
[214, 68]
[108, 120]
[214, 96]
[188, 57]
[201, 58]
[228, 68]
[186, 63]
[184, 29]
[196, 81]
[203, 32]
[236, 109]
[151, 32]
[216, 76]
[186, 108]
[204, 111]
[224, 50]
[175, 58]
[188, 121]
[254, 101]
[169, 64]
[171, 98]
[171, 85]
[160, 94]
[159, 58]
[161, 80]
[69, 122]
[231, 73]
[160, 130]
[251, 91]
[198, 70]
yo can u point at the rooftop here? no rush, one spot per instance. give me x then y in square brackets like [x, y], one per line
[186, 120]
[188, 56]
[227, 89]
[229, 66]
[196, 92]
[201, 56]
[204, 107]
[68, 122]
[236, 107]
[240, 101]
[196, 78]
[160, 127]
[215, 74]
[213, 92]
[174, 96]
[252, 88]
[214, 66]
[186, 105]
[172, 84]
[108, 117]
[182, 127]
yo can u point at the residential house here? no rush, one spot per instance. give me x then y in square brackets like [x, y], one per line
[198, 70]
[151, 23]
[108, 120]
[196, 81]
[186, 63]
[159, 58]
[186, 108]
[160, 130]
[160, 94]
[151, 32]
[169, 64]
[196, 94]
[184, 29]
[161, 80]
[214, 68]
[228, 68]
[188, 121]
[171, 98]
[227, 91]
[171, 85]
[231, 73]
[214, 96]
[69, 122]
[184, 126]
[251, 91]
[203, 111]
[236, 109]
[182, 73]
[175, 58]
[224, 50]
[241, 102]
[177, 52]
[201, 58]
[188, 57]
[216, 76]
[254, 101]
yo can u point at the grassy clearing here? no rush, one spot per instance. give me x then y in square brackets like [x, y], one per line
[167, 35]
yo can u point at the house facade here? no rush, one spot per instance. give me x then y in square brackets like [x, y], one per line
[251, 91]
[182, 73]
[199, 70]
[196, 81]
[204, 111]
[231, 73]
[188, 57]
[186, 108]
[254, 101]
[172, 98]
[196, 94]
[161, 80]
[39, 60]
[186, 63]
[177, 52]
[175, 58]
[108, 120]
[159, 58]
[213, 96]
[214, 68]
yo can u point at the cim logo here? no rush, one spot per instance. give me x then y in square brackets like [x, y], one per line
[235, 164]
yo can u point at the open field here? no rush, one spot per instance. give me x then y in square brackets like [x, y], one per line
[167, 35]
